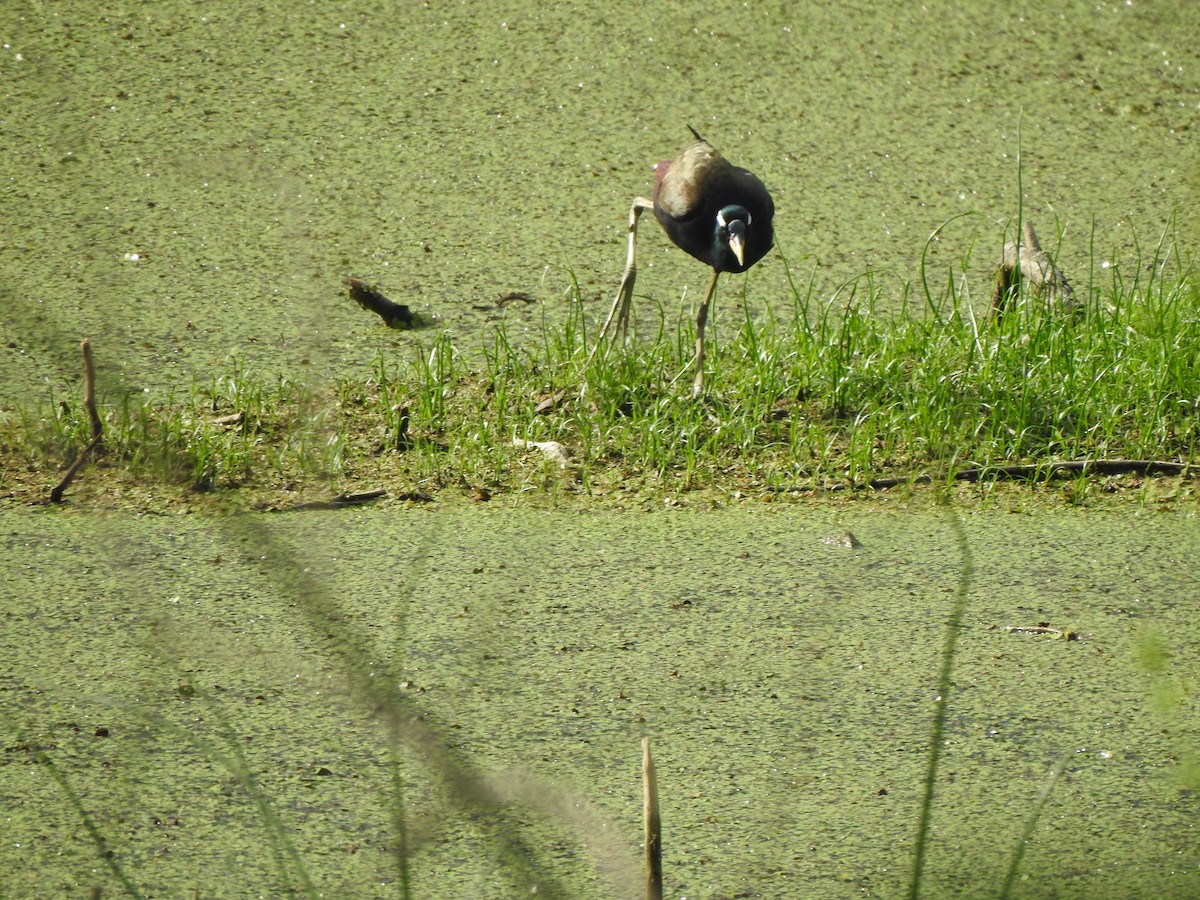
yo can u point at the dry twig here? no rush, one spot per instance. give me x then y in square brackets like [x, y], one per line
[89, 403]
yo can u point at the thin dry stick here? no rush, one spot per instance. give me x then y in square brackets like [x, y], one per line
[89, 403]
[652, 824]
[89, 391]
[1047, 470]
[1042, 629]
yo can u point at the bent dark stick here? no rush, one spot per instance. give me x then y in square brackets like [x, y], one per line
[1048, 470]
[89, 403]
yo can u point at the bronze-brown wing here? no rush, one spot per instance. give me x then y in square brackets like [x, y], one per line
[679, 192]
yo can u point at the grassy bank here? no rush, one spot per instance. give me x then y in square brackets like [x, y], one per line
[827, 393]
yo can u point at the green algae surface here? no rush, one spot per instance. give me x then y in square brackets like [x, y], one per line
[251, 706]
[186, 185]
[233, 702]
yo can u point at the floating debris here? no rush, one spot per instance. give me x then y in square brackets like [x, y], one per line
[1044, 628]
[395, 315]
[845, 539]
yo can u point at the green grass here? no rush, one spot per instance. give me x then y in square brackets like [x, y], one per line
[832, 391]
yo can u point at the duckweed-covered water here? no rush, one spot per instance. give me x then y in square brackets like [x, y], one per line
[787, 681]
[188, 186]
[184, 184]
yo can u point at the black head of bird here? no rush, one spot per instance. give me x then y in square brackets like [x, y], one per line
[719, 213]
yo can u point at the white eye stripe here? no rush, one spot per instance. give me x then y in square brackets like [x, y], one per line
[721, 218]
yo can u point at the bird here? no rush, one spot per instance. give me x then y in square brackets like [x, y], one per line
[717, 212]
[1025, 260]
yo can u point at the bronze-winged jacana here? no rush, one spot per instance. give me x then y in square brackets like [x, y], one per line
[719, 213]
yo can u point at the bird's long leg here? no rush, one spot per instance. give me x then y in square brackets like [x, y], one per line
[624, 299]
[701, 320]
